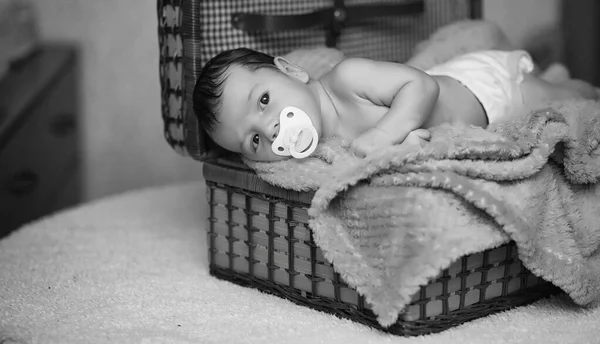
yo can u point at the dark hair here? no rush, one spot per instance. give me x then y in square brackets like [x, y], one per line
[209, 86]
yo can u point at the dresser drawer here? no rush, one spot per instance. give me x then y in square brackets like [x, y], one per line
[32, 163]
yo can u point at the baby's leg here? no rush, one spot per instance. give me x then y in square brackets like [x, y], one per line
[582, 88]
[537, 92]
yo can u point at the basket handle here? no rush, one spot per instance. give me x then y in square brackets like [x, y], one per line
[334, 17]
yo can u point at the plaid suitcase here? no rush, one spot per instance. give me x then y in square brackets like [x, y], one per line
[193, 31]
[257, 233]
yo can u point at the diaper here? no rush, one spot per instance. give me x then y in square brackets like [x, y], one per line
[493, 76]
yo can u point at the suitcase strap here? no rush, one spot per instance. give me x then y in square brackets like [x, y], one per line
[334, 18]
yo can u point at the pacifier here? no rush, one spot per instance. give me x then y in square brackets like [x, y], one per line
[297, 136]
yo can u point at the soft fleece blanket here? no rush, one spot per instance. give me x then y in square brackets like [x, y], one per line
[392, 221]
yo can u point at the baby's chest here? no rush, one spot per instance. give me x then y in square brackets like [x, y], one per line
[357, 115]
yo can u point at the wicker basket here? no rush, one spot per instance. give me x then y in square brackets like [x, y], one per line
[258, 233]
[258, 236]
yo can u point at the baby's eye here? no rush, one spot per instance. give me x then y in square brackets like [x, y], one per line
[255, 140]
[264, 99]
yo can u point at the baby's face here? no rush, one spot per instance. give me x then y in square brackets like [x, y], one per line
[251, 104]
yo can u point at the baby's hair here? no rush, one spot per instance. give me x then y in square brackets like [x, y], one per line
[209, 86]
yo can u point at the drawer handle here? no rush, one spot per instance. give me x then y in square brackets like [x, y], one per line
[63, 125]
[23, 182]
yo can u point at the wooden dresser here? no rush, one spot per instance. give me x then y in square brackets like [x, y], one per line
[39, 137]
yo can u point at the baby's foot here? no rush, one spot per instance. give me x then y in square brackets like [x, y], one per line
[556, 73]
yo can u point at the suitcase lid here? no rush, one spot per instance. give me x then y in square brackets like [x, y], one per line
[192, 31]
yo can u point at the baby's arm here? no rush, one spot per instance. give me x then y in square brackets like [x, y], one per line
[409, 93]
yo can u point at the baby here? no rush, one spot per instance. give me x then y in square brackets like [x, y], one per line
[245, 99]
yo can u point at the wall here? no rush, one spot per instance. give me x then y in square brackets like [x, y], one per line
[123, 146]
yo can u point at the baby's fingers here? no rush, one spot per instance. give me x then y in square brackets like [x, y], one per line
[418, 137]
[423, 134]
[357, 149]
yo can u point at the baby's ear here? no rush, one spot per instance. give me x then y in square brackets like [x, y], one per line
[291, 69]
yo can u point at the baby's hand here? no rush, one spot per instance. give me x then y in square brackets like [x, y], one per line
[370, 141]
[418, 137]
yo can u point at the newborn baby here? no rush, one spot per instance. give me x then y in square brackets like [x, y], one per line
[267, 108]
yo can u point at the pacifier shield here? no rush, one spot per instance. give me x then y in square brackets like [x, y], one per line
[297, 136]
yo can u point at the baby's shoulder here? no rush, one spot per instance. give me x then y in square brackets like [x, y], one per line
[351, 66]
[347, 72]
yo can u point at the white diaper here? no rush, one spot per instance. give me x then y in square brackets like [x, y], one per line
[493, 76]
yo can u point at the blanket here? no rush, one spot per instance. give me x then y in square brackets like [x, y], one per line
[392, 221]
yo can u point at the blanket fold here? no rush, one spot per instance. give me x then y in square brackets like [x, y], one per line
[392, 221]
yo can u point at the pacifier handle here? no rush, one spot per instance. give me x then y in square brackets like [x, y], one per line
[309, 150]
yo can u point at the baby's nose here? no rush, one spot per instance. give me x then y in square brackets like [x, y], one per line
[274, 132]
